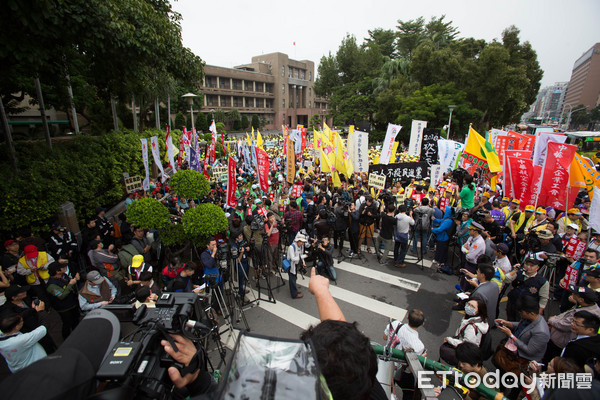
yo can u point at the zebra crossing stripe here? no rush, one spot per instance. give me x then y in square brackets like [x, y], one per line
[379, 276]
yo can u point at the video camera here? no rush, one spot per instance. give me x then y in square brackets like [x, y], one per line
[258, 222]
[138, 364]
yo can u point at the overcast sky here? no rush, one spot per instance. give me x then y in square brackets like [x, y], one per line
[229, 32]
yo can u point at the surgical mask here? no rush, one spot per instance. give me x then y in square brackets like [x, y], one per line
[470, 311]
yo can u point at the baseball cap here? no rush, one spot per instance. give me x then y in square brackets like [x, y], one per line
[476, 226]
[589, 295]
[8, 242]
[516, 201]
[487, 194]
[502, 248]
[31, 251]
[574, 211]
[506, 199]
[137, 261]
[94, 277]
[14, 290]
[540, 210]
[573, 226]
[530, 208]
[532, 260]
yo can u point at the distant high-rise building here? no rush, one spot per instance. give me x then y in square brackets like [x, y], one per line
[584, 86]
[548, 105]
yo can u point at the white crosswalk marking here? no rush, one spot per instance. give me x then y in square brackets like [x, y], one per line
[288, 313]
[378, 275]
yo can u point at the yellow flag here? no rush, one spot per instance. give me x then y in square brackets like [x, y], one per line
[481, 152]
[259, 140]
[248, 139]
[583, 174]
[325, 164]
[393, 156]
[336, 180]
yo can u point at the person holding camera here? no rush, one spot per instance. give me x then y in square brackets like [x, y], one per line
[321, 225]
[273, 241]
[208, 259]
[422, 215]
[63, 296]
[254, 234]
[341, 212]
[295, 254]
[473, 248]
[526, 282]
[20, 349]
[386, 233]
[368, 214]
[402, 229]
[240, 246]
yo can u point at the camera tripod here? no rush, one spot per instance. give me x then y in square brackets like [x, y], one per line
[418, 227]
[259, 263]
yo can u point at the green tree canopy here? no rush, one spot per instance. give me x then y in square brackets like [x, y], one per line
[204, 221]
[189, 184]
[148, 213]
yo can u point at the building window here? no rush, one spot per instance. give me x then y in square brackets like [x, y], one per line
[283, 103]
[309, 104]
[224, 83]
[310, 75]
[309, 92]
[283, 70]
[302, 74]
[290, 72]
[296, 73]
[283, 88]
[283, 121]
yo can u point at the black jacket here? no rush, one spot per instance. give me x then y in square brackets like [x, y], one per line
[583, 349]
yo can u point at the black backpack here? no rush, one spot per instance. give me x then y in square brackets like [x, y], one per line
[331, 218]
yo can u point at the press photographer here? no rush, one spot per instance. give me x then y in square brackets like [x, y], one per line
[342, 220]
[321, 254]
[422, 215]
[368, 214]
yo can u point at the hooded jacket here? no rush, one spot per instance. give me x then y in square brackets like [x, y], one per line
[446, 222]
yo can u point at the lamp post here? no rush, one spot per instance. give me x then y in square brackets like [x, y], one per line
[451, 108]
[563, 111]
[569, 117]
[190, 100]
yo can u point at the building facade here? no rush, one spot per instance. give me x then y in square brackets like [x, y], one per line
[274, 87]
[548, 105]
[584, 86]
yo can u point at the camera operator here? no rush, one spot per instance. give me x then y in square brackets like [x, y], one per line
[422, 215]
[526, 282]
[341, 212]
[295, 254]
[211, 267]
[368, 214]
[354, 229]
[242, 248]
[403, 224]
[491, 228]
[538, 223]
[254, 233]
[386, 234]
[321, 225]
[545, 246]
[273, 241]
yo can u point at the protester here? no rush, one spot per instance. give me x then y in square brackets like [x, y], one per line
[403, 224]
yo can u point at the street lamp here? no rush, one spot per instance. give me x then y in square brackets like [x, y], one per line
[563, 111]
[190, 100]
[451, 108]
[569, 117]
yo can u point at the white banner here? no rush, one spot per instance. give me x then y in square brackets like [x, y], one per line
[361, 151]
[156, 156]
[146, 182]
[352, 148]
[494, 133]
[170, 150]
[296, 136]
[416, 137]
[541, 145]
[436, 175]
[449, 152]
[388, 143]
[595, 210]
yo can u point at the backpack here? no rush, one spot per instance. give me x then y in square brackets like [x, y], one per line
[331, 218]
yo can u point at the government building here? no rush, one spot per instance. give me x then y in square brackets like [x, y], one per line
[272, 86]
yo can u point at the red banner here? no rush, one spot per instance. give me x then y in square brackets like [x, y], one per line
[296, 191]
[521, 170]
[501, 146]
[285, 139]
[223, 143]
[575, 248]
[231, 183]
[180, 156]
[262, 159]
[303, 133]
[518, 154]
[555, 177]
[527, 142]
[531, 197]
[205, 166]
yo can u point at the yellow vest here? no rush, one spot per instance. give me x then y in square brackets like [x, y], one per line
[521, 220]
[42, 259]
[533, 223]
[568, 221]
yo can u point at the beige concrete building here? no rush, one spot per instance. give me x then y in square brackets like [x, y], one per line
[584, 86]
[272, 86]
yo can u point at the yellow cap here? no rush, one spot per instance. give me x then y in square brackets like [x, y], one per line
[137, 261]
[530, 208]
[540, 210]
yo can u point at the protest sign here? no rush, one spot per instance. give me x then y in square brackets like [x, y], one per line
[377, 181]
[133, 183]
[429, 153]
[416, 137]
[388, 143]
[397, 172]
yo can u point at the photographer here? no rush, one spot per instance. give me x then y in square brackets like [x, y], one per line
[422, 216]
[273, 241]
[368, 214]
[254, 233]
[442, 235]
[321, 225]
[240, 246]
[208, 259]
[403, 224]
[474, 247]
[341, 212]
[295, 254]
[526, 282]
[354, 229]
[386, 234]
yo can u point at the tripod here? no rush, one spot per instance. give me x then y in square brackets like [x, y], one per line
[418, 227]
[454, 253]
[260, 265]
[233, 296]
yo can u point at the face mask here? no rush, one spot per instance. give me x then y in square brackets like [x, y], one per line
[470, 311]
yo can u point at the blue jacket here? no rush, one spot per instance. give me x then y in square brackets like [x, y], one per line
[441, 232]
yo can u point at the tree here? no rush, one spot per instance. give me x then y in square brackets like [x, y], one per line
[189, 184]
[410, 34]
[439, 32]
[220, 116]
[233, 115]
[204, 221]
[328, 76]
[148, 213]
[314, 122]
[201, 122]
[237, 125]
[255, 122]
[179, 121]
[245, 122]
[383, 40]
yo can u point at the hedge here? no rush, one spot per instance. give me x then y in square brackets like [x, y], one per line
[86, 170]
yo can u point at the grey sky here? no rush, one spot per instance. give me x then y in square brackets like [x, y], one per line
[229, 32]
